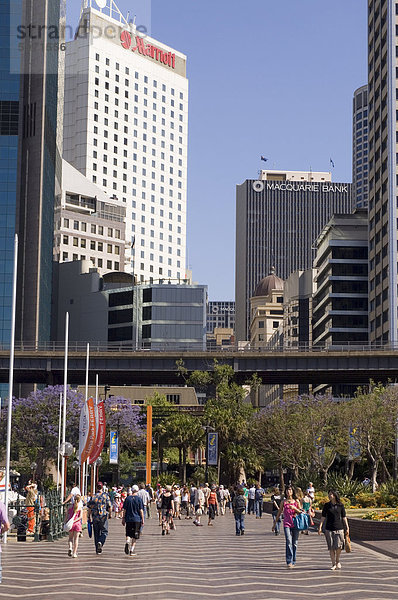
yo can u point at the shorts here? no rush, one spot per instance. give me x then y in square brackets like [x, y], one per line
[335, 539]
[133, 530]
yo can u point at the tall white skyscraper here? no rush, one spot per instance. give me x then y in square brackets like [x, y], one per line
[126, 129]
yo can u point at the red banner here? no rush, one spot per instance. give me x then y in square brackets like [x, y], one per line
[100, 439]
[90, 440]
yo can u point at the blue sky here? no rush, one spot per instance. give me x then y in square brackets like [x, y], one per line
[271, 77]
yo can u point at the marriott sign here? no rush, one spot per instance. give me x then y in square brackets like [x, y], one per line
[166, 58]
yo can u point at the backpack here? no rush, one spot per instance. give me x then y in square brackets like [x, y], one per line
[240, 504]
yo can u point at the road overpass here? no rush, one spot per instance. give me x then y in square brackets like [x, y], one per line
[121, 366]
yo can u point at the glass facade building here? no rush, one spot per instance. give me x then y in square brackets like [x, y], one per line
[10, 11]
[159, 316]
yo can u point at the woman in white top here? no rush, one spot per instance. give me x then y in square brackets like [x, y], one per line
[177, 501]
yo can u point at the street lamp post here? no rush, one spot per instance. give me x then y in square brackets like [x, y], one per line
[75, 466]
[65, 450]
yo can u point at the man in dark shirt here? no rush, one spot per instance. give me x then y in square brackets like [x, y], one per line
[133, 519]
[336, 523]
[99, 509]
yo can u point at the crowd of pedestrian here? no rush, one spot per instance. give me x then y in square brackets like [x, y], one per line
[292, 511]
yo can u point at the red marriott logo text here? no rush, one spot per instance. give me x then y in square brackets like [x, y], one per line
[166, 58]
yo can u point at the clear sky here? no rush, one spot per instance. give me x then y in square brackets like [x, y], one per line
[267, 77]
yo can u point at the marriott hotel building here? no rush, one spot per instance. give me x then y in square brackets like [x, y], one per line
[278, 218]
[126, 130]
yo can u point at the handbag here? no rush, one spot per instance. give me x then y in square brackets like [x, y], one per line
[301, 521]
[69, 524]
[347, 544]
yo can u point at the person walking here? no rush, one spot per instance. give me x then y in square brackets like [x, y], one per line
[251, 496]
[167, 510]
[212, 504]
[258, 501]
[75, 511]
[311, 491]
[133, 519]
[306, 504]
[239, 504]
[4, 524]
[335, 520]
[276, 500]
[145, 497]
[223, 493]
[199, 505]
[99, 510]
[290, 508]
[185, 501]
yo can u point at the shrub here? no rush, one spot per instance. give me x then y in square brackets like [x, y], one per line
[365, 500]
[344, 485]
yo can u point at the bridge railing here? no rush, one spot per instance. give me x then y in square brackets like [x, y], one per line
[172, 347]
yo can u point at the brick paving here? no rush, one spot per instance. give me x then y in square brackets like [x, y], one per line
[195, 563]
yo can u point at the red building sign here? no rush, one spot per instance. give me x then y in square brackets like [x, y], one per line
[161, 56]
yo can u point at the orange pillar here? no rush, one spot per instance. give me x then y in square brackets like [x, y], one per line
[148, 443]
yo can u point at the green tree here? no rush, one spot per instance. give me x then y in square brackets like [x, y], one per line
[374, 416]
[183, 431]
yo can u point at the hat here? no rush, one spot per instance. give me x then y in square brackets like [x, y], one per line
[221, 487]
[135, 488]
[100, 485]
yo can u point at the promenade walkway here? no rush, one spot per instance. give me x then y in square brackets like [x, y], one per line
[195, 563]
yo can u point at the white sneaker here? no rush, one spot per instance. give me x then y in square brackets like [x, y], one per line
[338, 566]
[74, 555]
[333, 568]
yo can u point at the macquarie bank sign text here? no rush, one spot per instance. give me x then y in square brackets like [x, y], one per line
[165, 58]
[307, 187]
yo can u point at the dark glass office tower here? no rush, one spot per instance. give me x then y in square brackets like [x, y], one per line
[278, 219]
[40, 162]
[10, 11]
[360, 146]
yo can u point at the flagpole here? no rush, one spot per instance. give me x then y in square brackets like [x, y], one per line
[94, 466]
[59, 437]
[64, 403]
[11, 377]
[86, 465]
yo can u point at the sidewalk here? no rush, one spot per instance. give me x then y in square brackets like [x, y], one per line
[385, 547]
[195, 563]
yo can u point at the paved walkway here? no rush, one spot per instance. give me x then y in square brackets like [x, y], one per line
[195, 563]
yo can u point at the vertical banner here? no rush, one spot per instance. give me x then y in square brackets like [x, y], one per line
[148, 443]
[87, 430]
[114, 448]
[100, 437]
[212, 448]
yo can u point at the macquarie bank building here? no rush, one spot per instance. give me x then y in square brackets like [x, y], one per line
[126, 130]
[278, 219]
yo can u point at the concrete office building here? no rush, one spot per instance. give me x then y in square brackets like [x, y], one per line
[88, 224]
[140, 394]
[340, 306]
[360, 145]
[126, 129]
[266, 310]
[39, 163]
[111, 310]
[298, 295]
[383, 172]
[278, 218]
